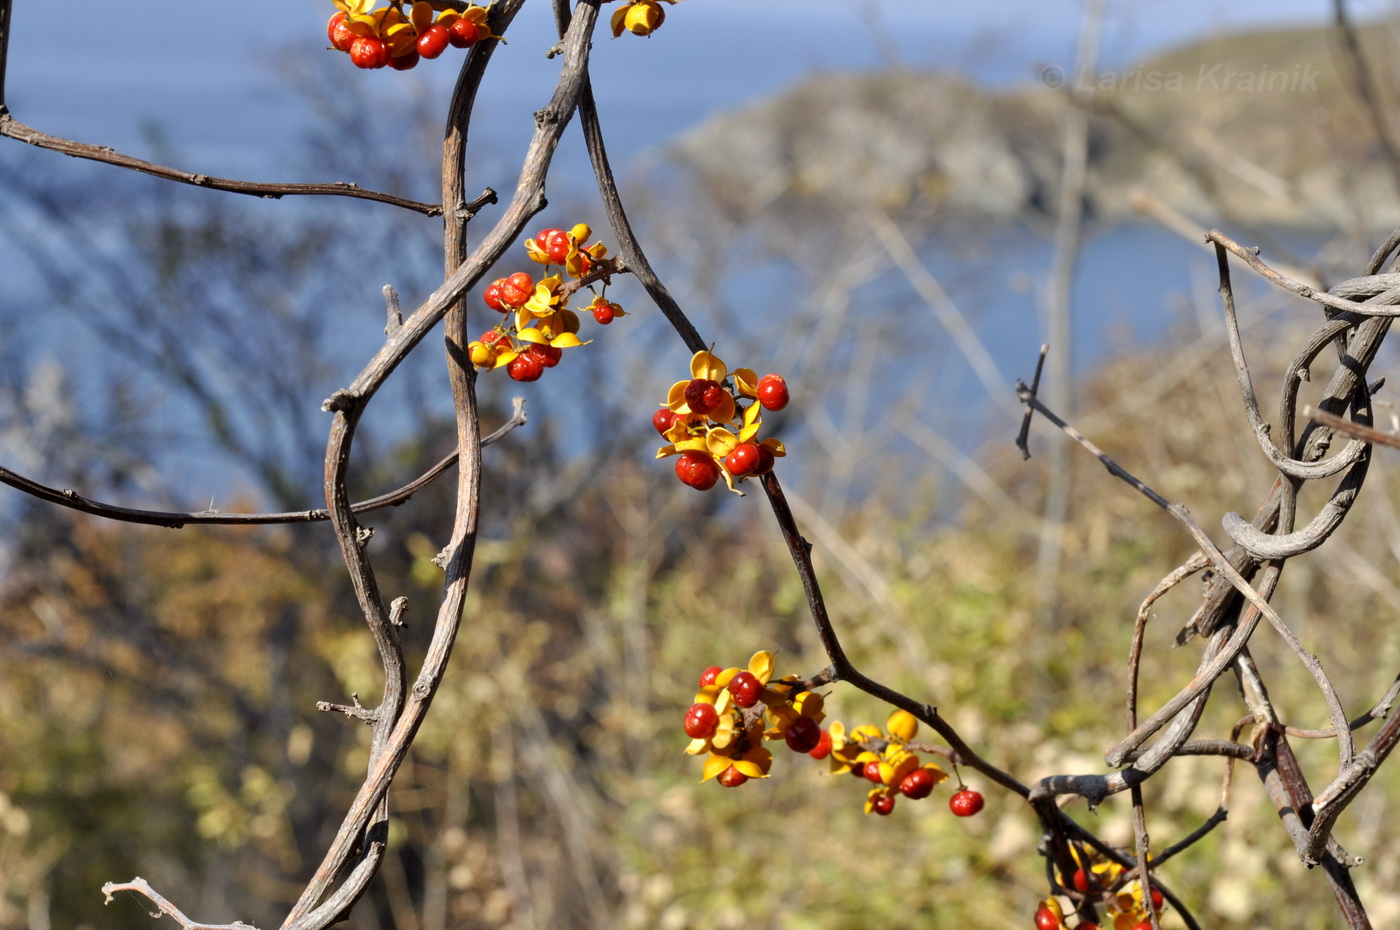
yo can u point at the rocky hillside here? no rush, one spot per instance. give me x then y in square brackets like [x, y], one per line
[1262, 127]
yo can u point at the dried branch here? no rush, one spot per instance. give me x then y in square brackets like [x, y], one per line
[1221, 564]
[140, 886]
[66, 497]
[1352, 428]
[402, 713]
[9, 126]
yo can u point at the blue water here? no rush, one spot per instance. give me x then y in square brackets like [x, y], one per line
[213, 93]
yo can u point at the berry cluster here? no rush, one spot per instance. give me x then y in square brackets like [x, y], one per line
[736, 709]
[888, 759]
[695, 416]
[1100, 882]
[639, 17]
[389, 37]
[536, 326]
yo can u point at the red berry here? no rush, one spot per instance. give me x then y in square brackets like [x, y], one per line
[743, 459]
[405, 62]
[1143, 925]
[525, 367]
[1082, 880]
[917, 784]
[369, 52]
[773, 392]
[803, 735]
[604, 313]
[663, 419]
[1045, 919]
[872, 773]
[548, 355]
[463, 33]
[339, 33]
[493, 336]
[732, 777]
[703, 395]
[492, 296]
[516, 290]
[966, 802]
[883, 804]
[555, 243]
[708, 676]
[701, 720]
[765, 462]
[1157, 899]
[697, 469]
[433, 41]
[1086, 925]
[745, 686]
[823, 747]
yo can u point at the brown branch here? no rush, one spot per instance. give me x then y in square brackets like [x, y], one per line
[9, 126]
[1352, 428]
[1345, 305]
[1222, 565]
[140, 886]
[66, 497]
[629, 249]
[394, 733]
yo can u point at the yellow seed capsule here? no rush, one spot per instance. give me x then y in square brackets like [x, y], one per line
[902, 725]
[644, 18]
[482, 355]
[581, 233]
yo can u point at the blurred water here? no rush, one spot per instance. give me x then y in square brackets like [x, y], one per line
[223, 103]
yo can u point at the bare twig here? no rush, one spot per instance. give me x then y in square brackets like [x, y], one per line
[9, 126]
[65, 497]
[140, 886]
[1223, 566]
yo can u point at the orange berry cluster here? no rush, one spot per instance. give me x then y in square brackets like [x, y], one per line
[1100, 882]
[537, 326]
[389, 37]
[697, 416]
[736, 710]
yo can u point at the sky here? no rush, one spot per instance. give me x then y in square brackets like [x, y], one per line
[212, 81]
